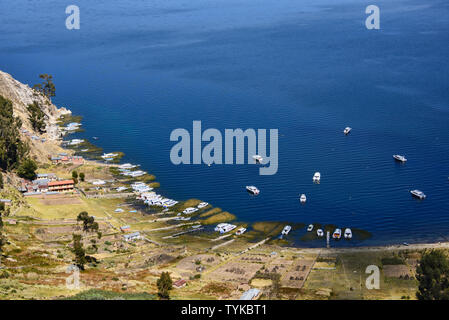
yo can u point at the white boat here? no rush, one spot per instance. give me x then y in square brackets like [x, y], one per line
[418, 194]
[317, 177]
[286, 230]
[202, 205]
[109, 155]
[399, 158]
[320, 232]
[240, 231]
[258, 158]
[347, 130]
[337, 234]
[219, 226]
[225, 227]
[310, 227]
[348, 233]
[253, 190]
[303, 198]
[190, 210]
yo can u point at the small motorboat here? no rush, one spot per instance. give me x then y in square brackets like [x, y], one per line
[240, 231]
[348, 233]
[347, 130]
[257, 158]
[286, 230]
[317, 177]
[337, 234]
[399, 158]
[303, 198]
[418, 194]
[310, 227]
[190, 210]
[320, 232]
[202, 205]
[253, 190]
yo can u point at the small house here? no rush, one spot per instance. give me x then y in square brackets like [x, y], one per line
[125, 228]
[180, 283]
[132, 236]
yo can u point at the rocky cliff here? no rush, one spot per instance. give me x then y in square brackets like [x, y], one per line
[21, 95]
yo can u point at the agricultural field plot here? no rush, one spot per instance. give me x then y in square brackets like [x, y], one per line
[63, 233]
[279, 265]
[397, 271]
[60, 200]
[347, 280]
[193, 262]
[255, 258]
[95, 207]
[234, 271]
[297, 275]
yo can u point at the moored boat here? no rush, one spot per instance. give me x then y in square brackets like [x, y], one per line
[317, 177]
[348, 233]
[310, 227]
[418, 194]
[337, 234]
[286, 230]
[240, 231]
[202, 205]
[253, 190]
[257, 158]
[347, 130]
[320, 232]
[399, 158]
[303, 198]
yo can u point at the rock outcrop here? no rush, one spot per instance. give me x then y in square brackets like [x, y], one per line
[21, 96]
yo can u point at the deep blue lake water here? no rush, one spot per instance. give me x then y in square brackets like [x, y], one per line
[136, 70]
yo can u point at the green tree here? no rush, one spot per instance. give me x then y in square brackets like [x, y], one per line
[12, 148]
[75, 177]
[82, 176]
[89, 224]
[164, 285]
[27, 169]
[36, 116]
[2, 210]
[2, 237]
[78, 249]
[47, 87]
[433, 276]
[3, 241]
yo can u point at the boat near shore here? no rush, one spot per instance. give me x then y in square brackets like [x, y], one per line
[337, 234]
[240, 231]
[348, 233]
[286, 230]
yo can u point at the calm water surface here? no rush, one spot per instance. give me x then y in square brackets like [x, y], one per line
[136, 70]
